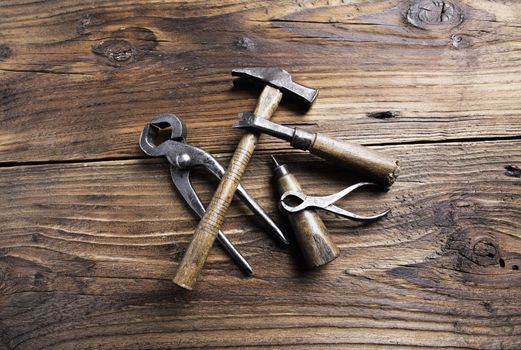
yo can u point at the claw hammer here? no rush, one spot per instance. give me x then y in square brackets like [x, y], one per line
[277, 81]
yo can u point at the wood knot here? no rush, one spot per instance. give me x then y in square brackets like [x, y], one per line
[84, 23]
[38, 280]
[480, 249]
[485, 248]
[5, 51]
[117, 51]
[126, 45]
[485, 251]
[460, 41]
[434, 14]
[245, 43]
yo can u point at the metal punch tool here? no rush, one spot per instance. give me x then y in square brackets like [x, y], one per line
[183, 158]
[326, 203]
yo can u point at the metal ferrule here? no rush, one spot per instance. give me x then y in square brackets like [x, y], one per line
[303, 139]
[280, 171]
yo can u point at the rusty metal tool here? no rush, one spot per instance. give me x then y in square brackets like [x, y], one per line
[360, 159]
[326, 202]
[183, 158]
[310, 232]
[277, 81]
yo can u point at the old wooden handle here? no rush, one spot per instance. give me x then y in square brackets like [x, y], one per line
[363, 160]
[206, 231]
[312, 235]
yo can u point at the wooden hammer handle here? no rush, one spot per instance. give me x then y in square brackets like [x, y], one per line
[363, 160]
[206, 231]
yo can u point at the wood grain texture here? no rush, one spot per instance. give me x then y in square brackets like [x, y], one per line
[89, 251]
[91, 232]
[113, 65]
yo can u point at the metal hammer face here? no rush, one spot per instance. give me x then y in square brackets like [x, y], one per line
[279, 79]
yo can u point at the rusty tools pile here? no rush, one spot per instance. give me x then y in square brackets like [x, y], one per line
[310, 232]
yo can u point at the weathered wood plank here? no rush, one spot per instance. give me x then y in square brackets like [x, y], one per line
[87, 252]
[79, 79]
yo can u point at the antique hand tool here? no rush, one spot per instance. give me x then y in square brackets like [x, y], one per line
[310, 232]
[183, 157]
[325, 202]
[277, 80]
[363, 160]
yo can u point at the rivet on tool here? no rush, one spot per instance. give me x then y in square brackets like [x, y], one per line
[311, 234]
[183, 161]
[326, 203]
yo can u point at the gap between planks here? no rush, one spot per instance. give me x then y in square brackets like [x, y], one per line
[11, 164]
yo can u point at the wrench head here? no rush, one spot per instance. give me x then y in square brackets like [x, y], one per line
[147, 140]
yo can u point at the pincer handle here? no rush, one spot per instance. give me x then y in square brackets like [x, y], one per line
[377, 166]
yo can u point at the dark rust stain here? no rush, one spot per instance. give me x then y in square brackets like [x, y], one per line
[434, 14]
[512, 170]
[384, 114]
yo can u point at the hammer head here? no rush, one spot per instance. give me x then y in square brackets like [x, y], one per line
[279, 79]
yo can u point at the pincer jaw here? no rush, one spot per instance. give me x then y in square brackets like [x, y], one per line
[150, 132]
[168, 120]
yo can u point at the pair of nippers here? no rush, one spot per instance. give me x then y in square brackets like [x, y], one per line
[326, 202]
[182, 158]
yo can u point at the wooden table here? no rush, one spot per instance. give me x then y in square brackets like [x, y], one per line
[91, 230]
